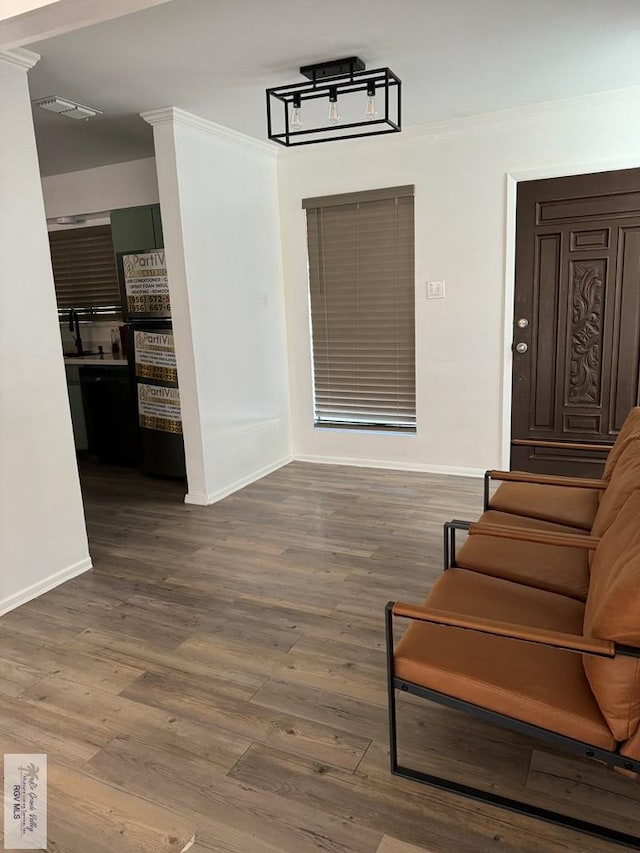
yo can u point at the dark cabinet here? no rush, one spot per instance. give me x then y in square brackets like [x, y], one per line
[110, 414]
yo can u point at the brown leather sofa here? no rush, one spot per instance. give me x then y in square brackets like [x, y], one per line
[541, 554]
[561, 500]
[564, 668]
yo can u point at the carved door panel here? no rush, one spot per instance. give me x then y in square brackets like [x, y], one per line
[576, 332]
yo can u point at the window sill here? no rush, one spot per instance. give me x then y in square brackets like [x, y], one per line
[401, 433]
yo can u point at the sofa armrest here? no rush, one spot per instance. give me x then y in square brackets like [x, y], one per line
[546, 479]
[508, 630]
[541, 537]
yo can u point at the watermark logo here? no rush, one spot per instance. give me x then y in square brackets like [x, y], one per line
[25, 802]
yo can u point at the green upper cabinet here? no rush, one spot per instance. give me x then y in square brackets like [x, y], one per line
[157, 226]
[136, 228]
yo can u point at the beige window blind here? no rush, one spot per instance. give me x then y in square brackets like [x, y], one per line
[362, 286]
[84, 270]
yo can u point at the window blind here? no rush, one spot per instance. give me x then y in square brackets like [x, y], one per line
[362, 288]
[84, 270]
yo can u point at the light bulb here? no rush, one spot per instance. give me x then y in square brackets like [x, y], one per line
[333, 116]
[371, 112]
[296, 118]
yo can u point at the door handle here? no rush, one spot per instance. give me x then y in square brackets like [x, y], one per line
[522, 323]
[521, 347]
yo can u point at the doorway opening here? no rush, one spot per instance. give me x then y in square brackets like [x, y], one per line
[117, 339]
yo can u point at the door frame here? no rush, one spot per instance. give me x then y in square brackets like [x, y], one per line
[512, 180]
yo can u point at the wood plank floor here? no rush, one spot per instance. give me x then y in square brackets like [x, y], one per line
[219, 678]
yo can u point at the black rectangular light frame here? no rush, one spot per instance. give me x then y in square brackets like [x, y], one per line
[346, 83]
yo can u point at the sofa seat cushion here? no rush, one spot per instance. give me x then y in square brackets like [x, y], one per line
[536, 684]
[575, 507]
[551, 567]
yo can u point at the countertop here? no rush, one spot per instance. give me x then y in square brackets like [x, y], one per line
[95, 361]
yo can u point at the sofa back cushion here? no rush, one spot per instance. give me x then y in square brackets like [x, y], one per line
[613, 613]
[624, 481]
[629, 432]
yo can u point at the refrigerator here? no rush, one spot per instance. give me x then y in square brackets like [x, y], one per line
[150, 352]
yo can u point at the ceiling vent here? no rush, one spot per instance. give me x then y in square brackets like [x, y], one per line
[65, 107]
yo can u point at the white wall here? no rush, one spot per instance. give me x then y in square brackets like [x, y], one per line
[102, 189]
[42, 531]
[460, 173]
[219, 199]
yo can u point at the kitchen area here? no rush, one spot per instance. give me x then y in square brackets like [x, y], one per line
[116, 333]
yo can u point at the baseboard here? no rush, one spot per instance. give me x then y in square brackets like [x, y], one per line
[424, 468]
[201, 499]
[37, 589]
[196, 498]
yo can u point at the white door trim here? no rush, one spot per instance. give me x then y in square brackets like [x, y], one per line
[512, 178]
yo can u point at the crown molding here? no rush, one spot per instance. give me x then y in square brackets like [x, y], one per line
[429, 131]
[432, 132]
[19, 57]
[580, 103]
[166, 115]
[182, 118]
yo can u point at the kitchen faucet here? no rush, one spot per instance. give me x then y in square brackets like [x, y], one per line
[74, 327]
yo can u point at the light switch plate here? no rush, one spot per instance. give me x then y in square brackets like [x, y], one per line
[435, 290]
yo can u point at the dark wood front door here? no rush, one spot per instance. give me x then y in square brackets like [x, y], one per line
[576, 324]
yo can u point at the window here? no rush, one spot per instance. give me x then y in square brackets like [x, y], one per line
[84, 270]
[362, 287]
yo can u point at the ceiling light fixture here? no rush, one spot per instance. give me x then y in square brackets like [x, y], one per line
[339, 81]
[65, 107]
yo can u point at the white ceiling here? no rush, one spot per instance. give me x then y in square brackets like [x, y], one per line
[215, 58]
